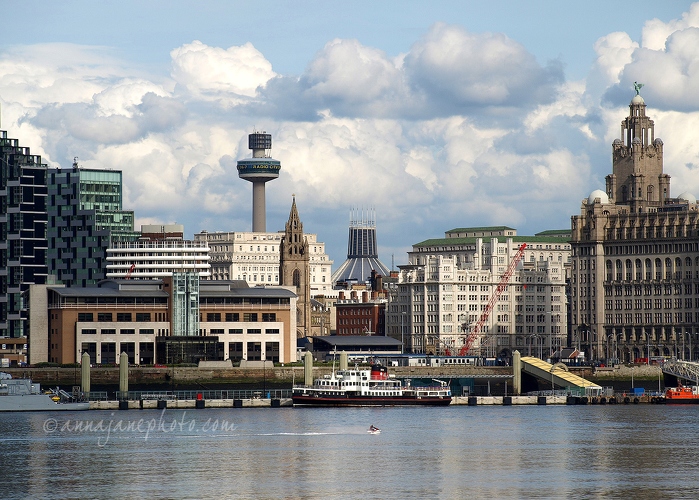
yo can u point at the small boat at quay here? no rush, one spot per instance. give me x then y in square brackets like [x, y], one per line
[368, 387]
[682, 395]
[21, 394]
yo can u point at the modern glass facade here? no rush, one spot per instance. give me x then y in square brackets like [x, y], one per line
[185, 304]
[23, 221]
[85, 218]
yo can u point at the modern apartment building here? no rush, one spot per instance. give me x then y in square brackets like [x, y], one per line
[635, 269]
[448, 283]
[85, 218]
[23, 223]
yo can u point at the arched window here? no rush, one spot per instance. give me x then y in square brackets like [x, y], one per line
[639, 270]
[629, 270]
[296, 278]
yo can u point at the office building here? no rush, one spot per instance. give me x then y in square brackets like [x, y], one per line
[152, 321]
[444, 290]
[635, 269]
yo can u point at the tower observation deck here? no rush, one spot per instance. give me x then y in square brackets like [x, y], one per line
[259, 169]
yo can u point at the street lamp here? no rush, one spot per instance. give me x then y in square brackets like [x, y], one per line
[690, 346]
[647, 347]
[535, 336]
[550, 329]
[618, 350]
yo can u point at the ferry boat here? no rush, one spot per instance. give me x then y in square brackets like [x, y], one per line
[368, 387]
[21, 394]
[682, 395]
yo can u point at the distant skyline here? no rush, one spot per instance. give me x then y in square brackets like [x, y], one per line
[436, 115]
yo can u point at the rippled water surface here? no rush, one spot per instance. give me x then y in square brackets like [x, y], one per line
[642, 451]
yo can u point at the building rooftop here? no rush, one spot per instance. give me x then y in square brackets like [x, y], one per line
[472, 240]
[355, 341]
[480, 229]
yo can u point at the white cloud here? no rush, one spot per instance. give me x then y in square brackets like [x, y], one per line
[468, 127]
[347, 70]
[656, 32]
[666, 63]
[216, 73]
[465, 69]
[614, 51]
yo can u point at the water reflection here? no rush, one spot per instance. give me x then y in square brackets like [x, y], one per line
[495, 452]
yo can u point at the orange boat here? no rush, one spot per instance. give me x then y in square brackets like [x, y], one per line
[682, 395]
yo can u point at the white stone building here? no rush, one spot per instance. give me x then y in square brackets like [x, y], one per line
[254, 257]
[449, 282]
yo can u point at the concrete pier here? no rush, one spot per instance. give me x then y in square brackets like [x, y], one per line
[182, 404]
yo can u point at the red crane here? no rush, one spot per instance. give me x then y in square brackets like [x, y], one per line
[475, 332]
[131, 270]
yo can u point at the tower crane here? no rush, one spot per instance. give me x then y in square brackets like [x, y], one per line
[131, 270]
[475, 332]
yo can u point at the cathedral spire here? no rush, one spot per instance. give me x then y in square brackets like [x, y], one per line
[294, 268]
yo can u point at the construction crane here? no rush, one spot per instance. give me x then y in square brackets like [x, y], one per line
[131, 270]
[476, 331]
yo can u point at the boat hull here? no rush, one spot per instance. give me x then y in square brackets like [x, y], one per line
[313, 400]
[38, 402]
[681, 401]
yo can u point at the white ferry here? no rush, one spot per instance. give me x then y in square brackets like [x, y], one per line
[368, 387]
[21, 394]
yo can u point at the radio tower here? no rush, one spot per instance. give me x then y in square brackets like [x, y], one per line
[259, 169]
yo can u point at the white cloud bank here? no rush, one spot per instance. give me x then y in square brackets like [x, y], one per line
[462, 129]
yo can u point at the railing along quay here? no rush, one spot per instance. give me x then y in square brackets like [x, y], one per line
[203, 394]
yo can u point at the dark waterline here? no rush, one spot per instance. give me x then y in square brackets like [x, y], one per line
[644, 451]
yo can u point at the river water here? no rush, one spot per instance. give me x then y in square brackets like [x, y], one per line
[620, 451]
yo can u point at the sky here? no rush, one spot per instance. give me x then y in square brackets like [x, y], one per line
[433, 115]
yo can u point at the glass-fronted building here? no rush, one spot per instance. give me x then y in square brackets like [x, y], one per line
[85, 218]
[22, 231]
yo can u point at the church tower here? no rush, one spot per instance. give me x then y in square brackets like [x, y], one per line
[294, 269]
[637, 177]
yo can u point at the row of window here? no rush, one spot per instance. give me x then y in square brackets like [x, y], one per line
[247, 317]
[122, 331]
[651, 304]
[676, 289]
[150, 331]
[108, 317]
[651, 318]
[146, 317]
